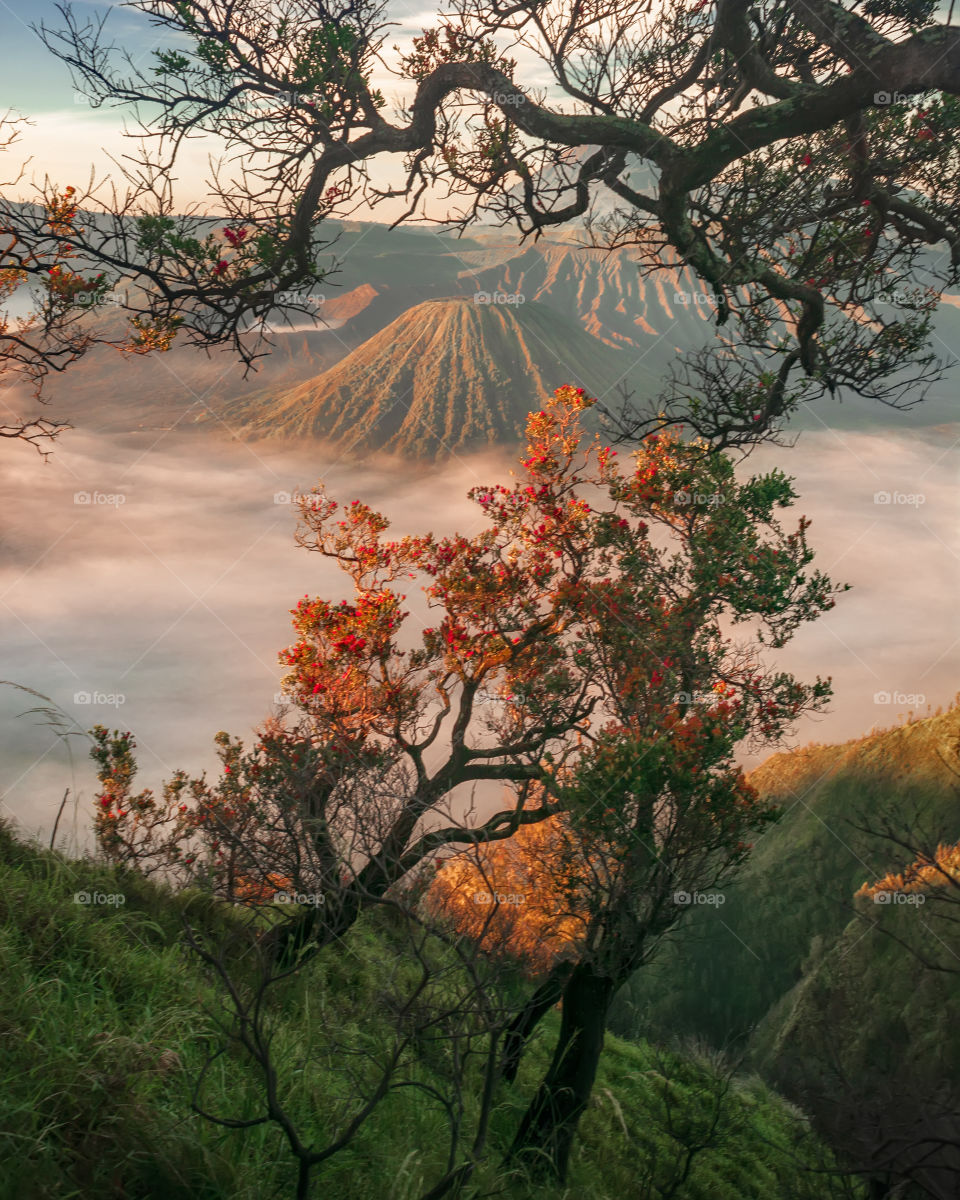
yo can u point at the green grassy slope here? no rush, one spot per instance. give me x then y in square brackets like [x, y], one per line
[103, 1032]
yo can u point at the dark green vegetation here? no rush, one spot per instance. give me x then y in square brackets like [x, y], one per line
[794, 897]
[104, 1031]
[849, 1007]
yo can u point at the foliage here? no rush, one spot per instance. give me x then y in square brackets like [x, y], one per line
[922, 875]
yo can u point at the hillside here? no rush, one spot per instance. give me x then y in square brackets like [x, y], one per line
[727, 967]
[110, 1021]
[447, 376]
[867, 1043]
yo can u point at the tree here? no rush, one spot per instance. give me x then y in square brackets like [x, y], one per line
[654, 812]
[52, 335]
[601, 628]
[799, 155]
[371, 772]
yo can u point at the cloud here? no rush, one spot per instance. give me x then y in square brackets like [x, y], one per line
[177, 596]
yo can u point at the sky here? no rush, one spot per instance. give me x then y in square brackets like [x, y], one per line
[68, 136]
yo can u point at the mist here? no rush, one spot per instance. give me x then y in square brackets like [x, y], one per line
[147, 579]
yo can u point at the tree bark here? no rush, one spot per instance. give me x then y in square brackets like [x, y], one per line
[545, 1136]
[518, 1032]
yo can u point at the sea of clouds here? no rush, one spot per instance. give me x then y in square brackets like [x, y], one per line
[146, 581]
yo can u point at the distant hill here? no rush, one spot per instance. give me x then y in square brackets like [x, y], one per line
[868, 1044]
[729, 965]
[848, 1007]
[447, 376]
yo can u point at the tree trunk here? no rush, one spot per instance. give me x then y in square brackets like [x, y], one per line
[546, 1132]
[518, 1032]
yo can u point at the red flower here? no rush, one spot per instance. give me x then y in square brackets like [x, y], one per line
[221, 266]
[806, 160]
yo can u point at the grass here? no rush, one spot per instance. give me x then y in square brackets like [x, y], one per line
[106, 1020]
